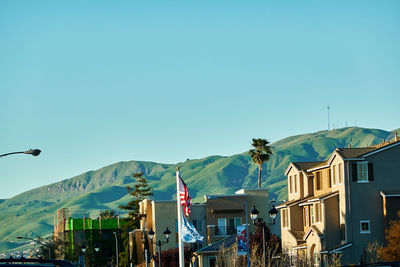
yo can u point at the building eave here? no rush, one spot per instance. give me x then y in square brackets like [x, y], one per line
[381, 149]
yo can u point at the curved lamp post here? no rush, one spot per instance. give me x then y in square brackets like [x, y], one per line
[273, 212]
[34, 240]
[33, 152]
[166, 233]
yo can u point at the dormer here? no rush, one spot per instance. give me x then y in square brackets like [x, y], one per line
[321, 178]
[297, 182]
[300, 181]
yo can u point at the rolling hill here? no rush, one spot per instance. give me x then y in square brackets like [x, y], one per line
[32, 213]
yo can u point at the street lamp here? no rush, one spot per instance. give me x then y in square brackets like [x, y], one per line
[253, 214]
[273, 212]
[166, 233]
[33, 152]
[116, 247]
[34, 240]
[84, 249]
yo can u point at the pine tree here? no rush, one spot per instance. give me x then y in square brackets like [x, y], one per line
[139, 192]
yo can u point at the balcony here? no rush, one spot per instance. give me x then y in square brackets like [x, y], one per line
[225, 230]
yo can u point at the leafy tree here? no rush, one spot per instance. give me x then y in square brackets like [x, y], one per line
[391, 252]
[272, 244]
[170, 257]
[139, 192]
[260, 154]
[107, 214]
[59, 249]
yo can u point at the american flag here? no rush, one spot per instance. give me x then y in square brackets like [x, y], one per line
[184, 196]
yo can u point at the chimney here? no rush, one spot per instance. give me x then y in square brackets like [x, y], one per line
[349, 145]
[396, 138]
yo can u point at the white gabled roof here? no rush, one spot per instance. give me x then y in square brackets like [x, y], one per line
[289, 167]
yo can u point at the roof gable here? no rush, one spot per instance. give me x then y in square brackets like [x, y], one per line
[312, 229]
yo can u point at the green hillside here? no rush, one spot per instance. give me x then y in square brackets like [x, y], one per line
[32, 213]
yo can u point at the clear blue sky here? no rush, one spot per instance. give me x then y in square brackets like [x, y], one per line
[92, 83]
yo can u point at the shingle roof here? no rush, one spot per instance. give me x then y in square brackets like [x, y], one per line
[306, 165]
[295, 201]
[214, 247]
[350, 153]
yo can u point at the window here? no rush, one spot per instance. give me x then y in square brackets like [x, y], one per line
[362, 171]
[342, 231]
[232, 224]
[290, 184]
[340, 172]
[312, 214]
[285, 219]
[318, 180]
[221, 226]
[365, 227]
[334, 175]
[318, 213]
[295, 183]
[306, 216]
[226, 226]
[198, 225]
[212, 261]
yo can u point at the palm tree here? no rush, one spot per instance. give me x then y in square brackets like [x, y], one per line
[260, 154]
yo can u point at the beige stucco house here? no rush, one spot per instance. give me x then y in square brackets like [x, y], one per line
[339, 206]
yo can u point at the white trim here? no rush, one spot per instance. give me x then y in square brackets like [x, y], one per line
[309, 231]
[341, 248]
[381, 149]
[281, 206]
[389, 195]
[302, 247]
[318, 168]
[356, 159]
[289, 167]
[369, 227]
[305, 204]
[334, 154]
[326, 197]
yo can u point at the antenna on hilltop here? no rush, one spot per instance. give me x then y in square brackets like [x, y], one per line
[329, 120]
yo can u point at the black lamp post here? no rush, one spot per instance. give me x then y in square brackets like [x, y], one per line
[83, 249]
[33, 152]
[273, 212]
[166, 233]
[86, 252]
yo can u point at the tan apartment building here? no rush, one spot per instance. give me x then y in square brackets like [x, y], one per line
[339, 206]
[158, 215]
[215, 219]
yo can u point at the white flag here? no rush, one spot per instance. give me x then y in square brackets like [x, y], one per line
[189, 233]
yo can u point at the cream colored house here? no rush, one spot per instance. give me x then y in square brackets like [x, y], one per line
[339, 206]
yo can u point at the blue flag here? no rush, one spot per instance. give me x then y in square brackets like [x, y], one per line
[189, 234]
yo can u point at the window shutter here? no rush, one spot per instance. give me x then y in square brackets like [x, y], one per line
[370, 171]
[354, 171]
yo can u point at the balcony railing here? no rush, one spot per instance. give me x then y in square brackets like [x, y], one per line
[225, 230]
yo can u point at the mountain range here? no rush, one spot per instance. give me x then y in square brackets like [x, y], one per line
[32, 213]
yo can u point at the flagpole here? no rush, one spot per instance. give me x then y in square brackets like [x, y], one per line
[179, 209]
